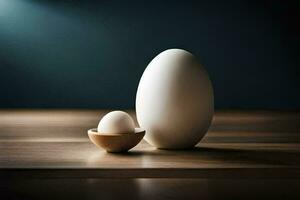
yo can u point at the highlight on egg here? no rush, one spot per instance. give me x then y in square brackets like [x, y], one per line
[174, 100]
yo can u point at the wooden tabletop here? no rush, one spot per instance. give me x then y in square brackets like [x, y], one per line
[54, 143]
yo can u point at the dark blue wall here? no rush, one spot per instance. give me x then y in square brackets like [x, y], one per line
[91, 54]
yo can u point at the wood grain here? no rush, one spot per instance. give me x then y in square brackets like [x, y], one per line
[231, 126]
[54, 143]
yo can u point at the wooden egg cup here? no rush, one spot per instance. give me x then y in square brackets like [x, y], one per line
[115, 143]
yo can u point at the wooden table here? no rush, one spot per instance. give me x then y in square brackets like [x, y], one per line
[45, 148]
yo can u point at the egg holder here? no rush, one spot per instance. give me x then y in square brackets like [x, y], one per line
[116, 143]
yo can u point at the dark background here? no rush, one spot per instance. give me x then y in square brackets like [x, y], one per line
[91, 54]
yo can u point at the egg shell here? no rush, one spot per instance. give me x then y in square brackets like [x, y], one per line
[174, 101]
[116, 122]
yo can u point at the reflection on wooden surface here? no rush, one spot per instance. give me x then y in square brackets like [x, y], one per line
[150, 189]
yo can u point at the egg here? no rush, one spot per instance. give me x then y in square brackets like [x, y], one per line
[174, 100]
[116, 122]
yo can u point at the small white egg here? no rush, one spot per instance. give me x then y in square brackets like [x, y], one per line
[116, 122]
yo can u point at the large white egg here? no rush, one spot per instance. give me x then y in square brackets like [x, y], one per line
[174, 101]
